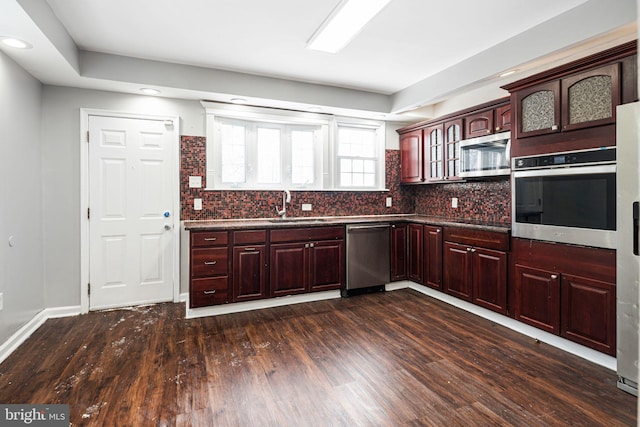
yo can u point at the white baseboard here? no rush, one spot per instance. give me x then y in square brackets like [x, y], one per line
[31, 326]
[535, 333]
[238, 307]
[184, 297]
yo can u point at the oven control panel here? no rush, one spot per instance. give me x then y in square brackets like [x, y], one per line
[574, 158]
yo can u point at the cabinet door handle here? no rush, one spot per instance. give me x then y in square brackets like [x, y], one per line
[554, 276]
[210, 262]
[554, 127]
[473, 249]
[210, 239]
[311, 245]
[468, 249]
[438, 230]
[210, 292]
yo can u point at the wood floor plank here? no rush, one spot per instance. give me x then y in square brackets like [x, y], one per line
[386, 359]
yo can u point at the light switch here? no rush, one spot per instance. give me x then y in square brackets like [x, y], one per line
[195, 182]
[454, 202]
[388, 202]
[306, 206]
[197, 204]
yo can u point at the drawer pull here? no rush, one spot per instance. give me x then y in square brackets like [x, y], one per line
[210, 262]
[249, 249]
[210, 292]
[210, 239]
[554, 276]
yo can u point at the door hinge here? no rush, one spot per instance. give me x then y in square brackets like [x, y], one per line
[87, 136]
[88, 213]
[88, 288]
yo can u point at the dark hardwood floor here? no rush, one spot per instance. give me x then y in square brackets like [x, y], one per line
[388, 359]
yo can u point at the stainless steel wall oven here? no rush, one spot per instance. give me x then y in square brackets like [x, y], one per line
[566, 197]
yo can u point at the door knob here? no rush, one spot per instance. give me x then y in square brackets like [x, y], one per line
[167, 226]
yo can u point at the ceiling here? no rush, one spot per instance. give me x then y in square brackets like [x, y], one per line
[414, 53]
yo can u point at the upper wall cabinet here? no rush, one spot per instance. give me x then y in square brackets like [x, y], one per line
[582, 100]
[430, 151]
[573, 107]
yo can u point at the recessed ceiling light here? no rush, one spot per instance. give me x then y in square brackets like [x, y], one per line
[238, 100]
[344, 22]
[15, 43]
[508, 73]
[150, 91]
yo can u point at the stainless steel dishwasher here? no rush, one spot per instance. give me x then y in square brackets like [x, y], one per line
[368, 261]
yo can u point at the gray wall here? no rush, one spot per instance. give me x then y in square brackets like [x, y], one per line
[21, 266]
[61, 173]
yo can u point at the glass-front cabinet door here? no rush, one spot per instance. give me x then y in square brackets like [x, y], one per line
[452, 138]
[433, 153]
[538, 109]
[590, 98]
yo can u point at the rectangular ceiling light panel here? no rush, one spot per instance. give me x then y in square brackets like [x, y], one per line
[344, 23]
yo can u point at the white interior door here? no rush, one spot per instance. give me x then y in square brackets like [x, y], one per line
[130, 223]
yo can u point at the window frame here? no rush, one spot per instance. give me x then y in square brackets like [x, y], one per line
[326, 169]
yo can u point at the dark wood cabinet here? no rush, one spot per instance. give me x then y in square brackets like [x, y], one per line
[432, 259]
[588, 314]
[430, 151]
[411, 163]
[312, 261]
[415, 258]
[537, 298]
[479, 124]
[458, 272]
[250, 266]
[326, 269]
[503, 118]
[289, 269]
[208, 268]
[573, 106]
[538, 109]
[490, 279]
[566, 290]
[475, 266]
[451, 146]
[398, 251]
[433, 153]
[590, 98]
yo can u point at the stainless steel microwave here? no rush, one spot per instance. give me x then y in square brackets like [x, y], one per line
[485, 156]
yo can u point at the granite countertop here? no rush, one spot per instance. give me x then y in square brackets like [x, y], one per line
[273, 223]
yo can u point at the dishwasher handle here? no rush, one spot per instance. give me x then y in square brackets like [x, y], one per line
[366, 227]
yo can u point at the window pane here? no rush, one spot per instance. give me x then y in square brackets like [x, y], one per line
[356, 142]
[302, 160]
[232, 153]
[268, 156]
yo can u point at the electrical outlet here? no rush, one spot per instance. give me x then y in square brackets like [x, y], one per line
[306, 207]
[1, 301]
[197, 204]
[454, 202]
[388, 202]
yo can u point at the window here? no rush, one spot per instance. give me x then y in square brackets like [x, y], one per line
[256, 148]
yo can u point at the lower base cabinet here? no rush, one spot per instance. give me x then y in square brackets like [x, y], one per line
[566, 290]
[475, 267]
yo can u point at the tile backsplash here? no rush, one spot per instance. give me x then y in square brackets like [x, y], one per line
[261, 204]
[485, 201]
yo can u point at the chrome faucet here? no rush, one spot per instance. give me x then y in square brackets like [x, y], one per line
[286, 198]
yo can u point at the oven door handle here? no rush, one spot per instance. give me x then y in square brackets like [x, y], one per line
[559, 171]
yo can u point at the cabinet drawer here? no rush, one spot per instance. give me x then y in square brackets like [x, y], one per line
[209, 262]
[209, 238]
[307, 234]
[480, 238]
[249, 236]
[210, 291]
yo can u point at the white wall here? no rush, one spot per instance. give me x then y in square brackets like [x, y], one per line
[61, 173]
[21, 265]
